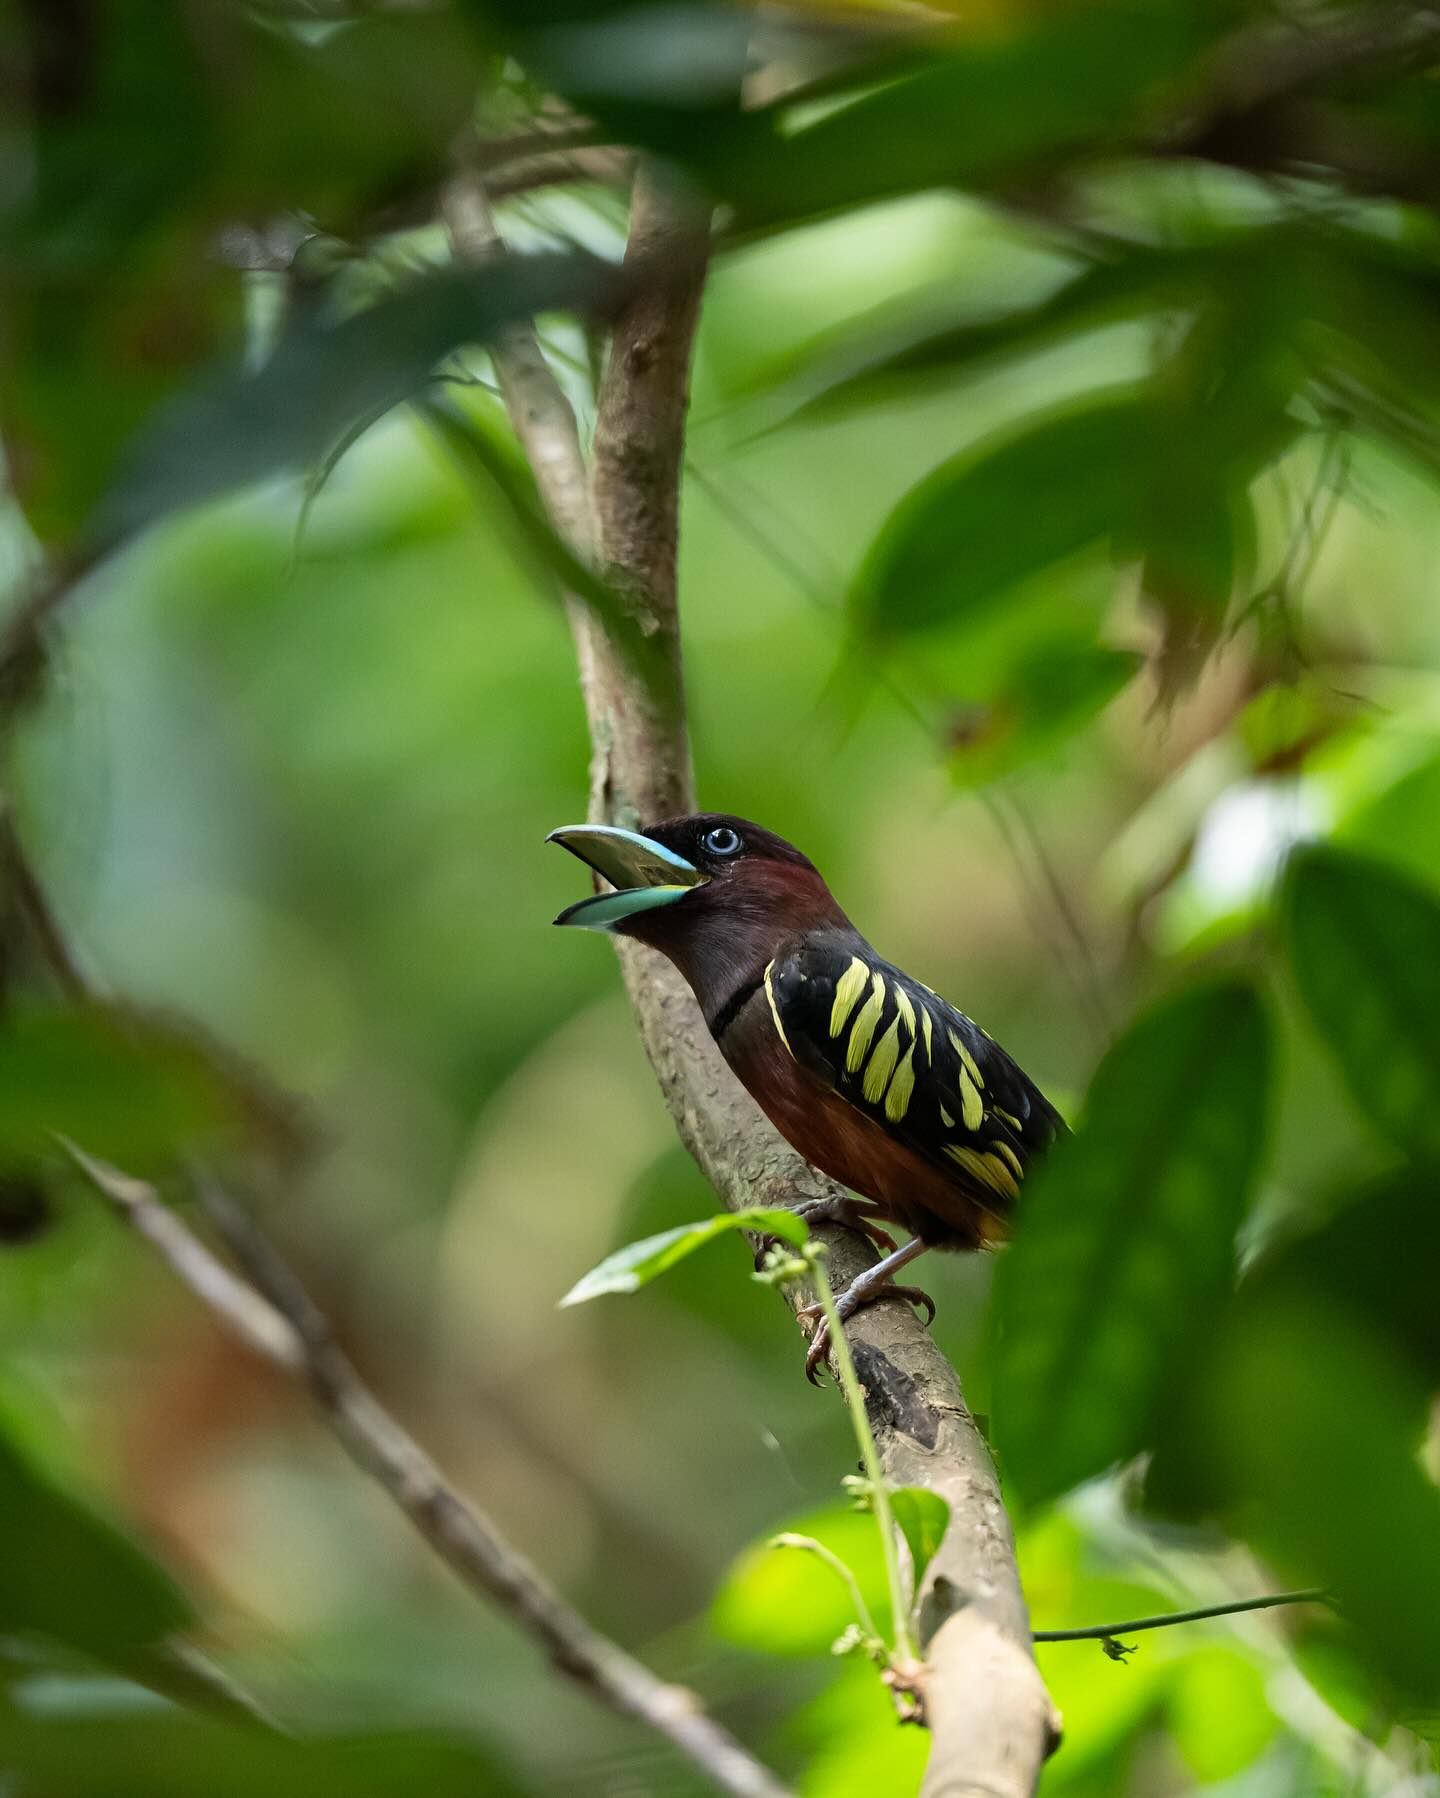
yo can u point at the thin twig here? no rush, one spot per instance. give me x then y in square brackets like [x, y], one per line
[1102, 1632]
[286, 1328]
[249, 1318]
[842, 1571]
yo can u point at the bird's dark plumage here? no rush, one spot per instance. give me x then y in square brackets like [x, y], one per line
[873, 1077]
[919, 1070]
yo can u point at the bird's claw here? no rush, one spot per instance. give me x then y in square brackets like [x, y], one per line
[847, 1304]
[851, 1216]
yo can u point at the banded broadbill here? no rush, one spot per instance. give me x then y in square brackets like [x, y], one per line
[867, 1072]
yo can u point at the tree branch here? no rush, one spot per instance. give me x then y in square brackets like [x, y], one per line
[992, 1721]
[281, 1324]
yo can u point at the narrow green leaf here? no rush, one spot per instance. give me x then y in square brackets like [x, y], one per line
[325, 373]
[1124, 1249]
[79, 1581]
[923, 1517]
[638, 1263]
[1364, 945]
[885, 354]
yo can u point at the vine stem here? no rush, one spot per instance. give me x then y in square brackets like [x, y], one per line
[1100, 1632]
[809, 1545]
[905, 1649]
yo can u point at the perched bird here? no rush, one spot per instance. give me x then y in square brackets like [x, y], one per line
[867, 1072]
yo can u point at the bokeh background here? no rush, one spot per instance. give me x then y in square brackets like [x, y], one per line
[290, 777]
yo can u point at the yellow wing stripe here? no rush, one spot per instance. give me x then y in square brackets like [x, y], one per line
[967, 1059]
[1003, 1148]
[972, 1106]
[863, 1028]
[929, 1030]
[848, 989]
[775, 1010]
[904, 1007]
[881, 1064]
[897, 1099]
[946, 1119]
[989, 1170]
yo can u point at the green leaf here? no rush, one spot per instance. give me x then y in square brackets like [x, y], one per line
[326, 372]
[1320, 1424]
[112, 289]
[884, 355]
[1364, 946]
[1369, 1265]
[923, 1517]
[1048, 695]
[121, 1087]
[172, 1755]
[1028, 95]
[1124, 1247]
[995, 516]
[638, 1263]
[1372, 1260]
[79, 1580]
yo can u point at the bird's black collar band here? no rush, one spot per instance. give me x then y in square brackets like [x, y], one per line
[733, 1006]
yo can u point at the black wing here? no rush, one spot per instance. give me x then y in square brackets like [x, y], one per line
[906, 1058]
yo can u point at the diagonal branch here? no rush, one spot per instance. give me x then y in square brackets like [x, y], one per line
[992, 1721]
[277, 1320]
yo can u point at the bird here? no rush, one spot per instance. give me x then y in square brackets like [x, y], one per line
[866, 1071]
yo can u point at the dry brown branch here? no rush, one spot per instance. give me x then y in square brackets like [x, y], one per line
[276, 1320]
[991, 1719]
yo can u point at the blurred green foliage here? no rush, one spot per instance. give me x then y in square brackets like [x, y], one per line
[1059, 545]
[1127, 1254]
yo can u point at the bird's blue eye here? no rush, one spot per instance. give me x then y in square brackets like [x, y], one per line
[722, 840]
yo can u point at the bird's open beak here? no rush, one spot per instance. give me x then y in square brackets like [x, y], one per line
[644, 872]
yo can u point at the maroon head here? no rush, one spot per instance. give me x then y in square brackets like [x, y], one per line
[717, 894]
